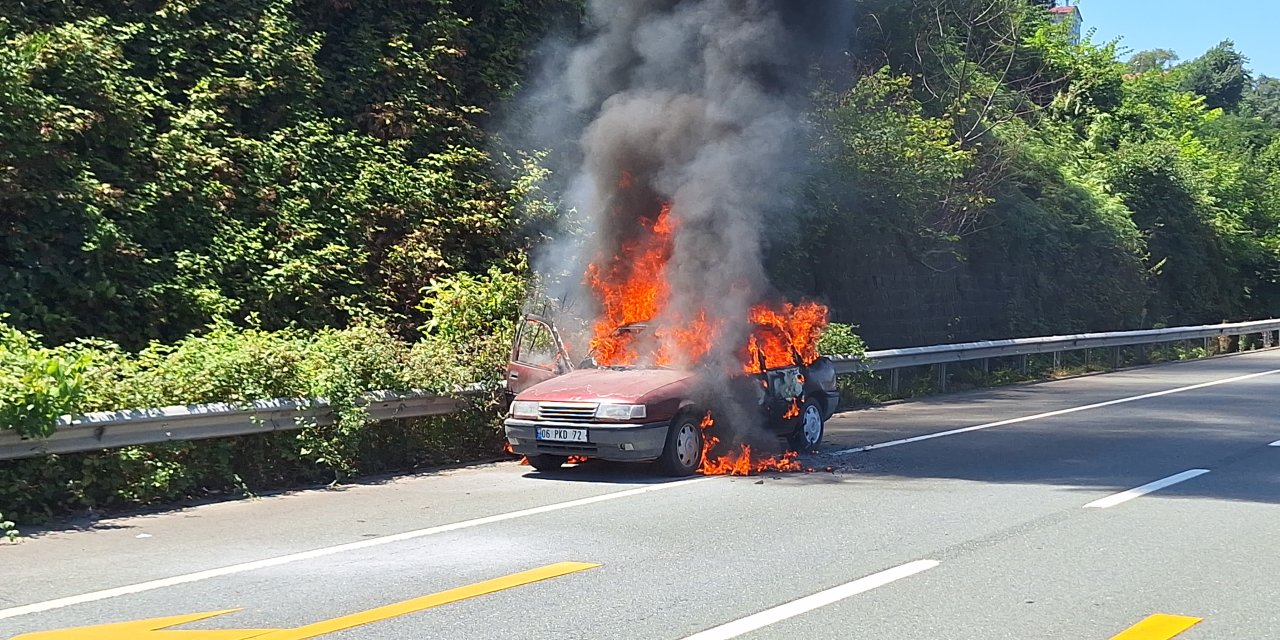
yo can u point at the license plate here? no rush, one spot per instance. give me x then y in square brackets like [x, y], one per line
[563, 435]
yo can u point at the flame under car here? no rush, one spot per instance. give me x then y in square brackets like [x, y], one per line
[559, 409]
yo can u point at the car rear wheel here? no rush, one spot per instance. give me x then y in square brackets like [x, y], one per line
[809, 428]
[683, 452]
[545, 463]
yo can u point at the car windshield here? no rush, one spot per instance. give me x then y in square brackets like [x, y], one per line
[639, 333]
[633, 333]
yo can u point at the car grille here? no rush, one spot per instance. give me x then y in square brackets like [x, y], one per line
[567, 411]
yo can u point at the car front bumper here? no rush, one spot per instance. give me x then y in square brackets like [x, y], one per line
[830, 402]
[617, 442]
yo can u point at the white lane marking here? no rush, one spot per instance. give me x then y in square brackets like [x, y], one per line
[815, 601]
[1125, 496]
[1274, 444]
[1051, 414]
[152, 585]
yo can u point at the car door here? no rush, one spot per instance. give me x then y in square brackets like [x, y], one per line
[537, 355]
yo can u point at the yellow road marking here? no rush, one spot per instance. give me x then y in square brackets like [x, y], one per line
[1159, 627]
[159, 628]
[427, 602]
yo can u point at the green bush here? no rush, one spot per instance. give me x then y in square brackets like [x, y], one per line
[230, 364]
[840, 340]
[36, 384]
[8, 529]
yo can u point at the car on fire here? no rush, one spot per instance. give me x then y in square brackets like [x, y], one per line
[559, 409]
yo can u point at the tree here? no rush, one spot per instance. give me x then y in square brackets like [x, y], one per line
[1263, 100]
[1219, 75]
[1152, 60]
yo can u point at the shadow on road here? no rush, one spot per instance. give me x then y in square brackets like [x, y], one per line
[1225, 428]
[604, 472]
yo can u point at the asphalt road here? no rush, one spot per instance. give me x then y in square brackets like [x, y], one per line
[1019, 520]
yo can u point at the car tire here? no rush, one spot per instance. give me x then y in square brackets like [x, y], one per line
[545, 463]
[682, 455]
[809, 428]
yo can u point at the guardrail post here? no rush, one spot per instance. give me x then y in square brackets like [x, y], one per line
[895, 381]
[1024, 359]
[1208, 350]
[1142, 354]
[1266, 340]
[986, 366]
[1057, 361]
[1088, 358]
[942, 377]
[1115, 357]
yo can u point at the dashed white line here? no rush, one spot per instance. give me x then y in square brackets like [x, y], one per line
[152, 585]
[1274, 444]
[1051, 414]
[815, 601]
[1125, 496]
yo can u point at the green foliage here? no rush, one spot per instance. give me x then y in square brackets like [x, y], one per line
[840, 340]
[37, 385]
[1263, 101]
[904, 164]
[463, 307]
[8, 529]
[245, 200]
[1219, 75]
[471, 326]
[229, 364]
[1152, 60]
[1088, 194]
[308, 164]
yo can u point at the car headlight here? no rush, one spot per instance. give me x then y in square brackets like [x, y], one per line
[621, 412]
[524, 409]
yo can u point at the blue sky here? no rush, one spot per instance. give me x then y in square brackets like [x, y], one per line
[1190, 28]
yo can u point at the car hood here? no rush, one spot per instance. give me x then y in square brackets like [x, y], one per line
[605, 385]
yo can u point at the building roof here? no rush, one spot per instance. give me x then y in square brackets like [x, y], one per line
[1071, 9]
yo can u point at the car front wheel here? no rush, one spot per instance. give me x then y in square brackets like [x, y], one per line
[809, 428]
[682, 454]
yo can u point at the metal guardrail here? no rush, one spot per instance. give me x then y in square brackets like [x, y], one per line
[114, 429]
[895, 359]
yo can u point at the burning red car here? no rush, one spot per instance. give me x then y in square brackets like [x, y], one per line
[612, 409]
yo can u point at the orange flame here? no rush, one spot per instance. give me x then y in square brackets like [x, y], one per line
[740, 462]
[793, 412]
[632, 287]
[506, 448]
[785, 334]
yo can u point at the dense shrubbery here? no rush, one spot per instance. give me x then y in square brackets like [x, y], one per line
[222, 201]
[466, 343]
[305, 163]
[974, 136]
[840, 339]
